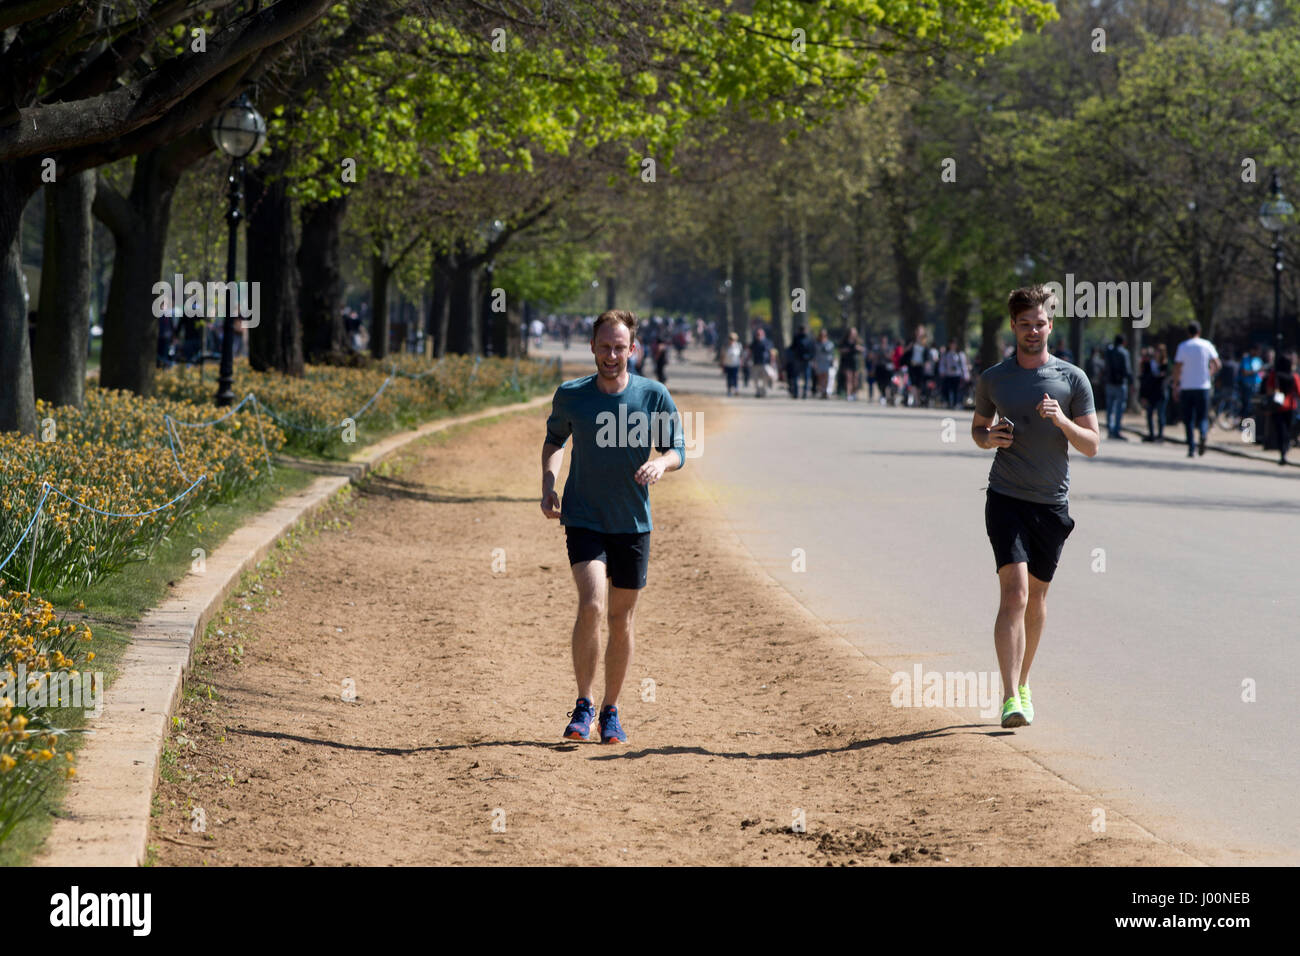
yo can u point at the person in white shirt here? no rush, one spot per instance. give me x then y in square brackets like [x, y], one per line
[954, 373]
[1195, 364]
[732, 354]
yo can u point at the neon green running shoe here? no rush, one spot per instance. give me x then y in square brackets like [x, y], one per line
[1026, 705]
[1012, 715]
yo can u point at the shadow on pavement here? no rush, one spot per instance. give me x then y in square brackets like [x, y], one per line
[787, 754]
[393, 488]
[558, 745]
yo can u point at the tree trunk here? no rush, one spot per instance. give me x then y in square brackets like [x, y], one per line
[439, 313]
[498, 322]
[611, 292]
[518, 327]
[957, 309]
[463, 328]
[482, 317]
[322, 278]
[802, 276]
[275, 343]
[139, 223]
[1076, 339]
[778, 287]
[425, 317]
[728, 320]
[911, 308]
[860, 271]
[17, 401]
[63, 328]
[992, 315]
[380, 275]
[740, 295]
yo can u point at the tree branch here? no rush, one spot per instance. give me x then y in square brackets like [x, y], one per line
[68, 125]
[111, 208]
[21, 11]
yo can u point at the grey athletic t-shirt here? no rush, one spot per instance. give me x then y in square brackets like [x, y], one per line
[1037, 465]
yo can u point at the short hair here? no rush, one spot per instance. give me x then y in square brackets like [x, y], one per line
[615, 315]
[1193, 327]
[1029, 297]
[1119, 340]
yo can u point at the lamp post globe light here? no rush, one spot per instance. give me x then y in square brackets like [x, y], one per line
[844, 295]
[1274, 215]
[238, 131]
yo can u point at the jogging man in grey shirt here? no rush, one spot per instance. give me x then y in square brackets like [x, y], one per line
[1042, 406]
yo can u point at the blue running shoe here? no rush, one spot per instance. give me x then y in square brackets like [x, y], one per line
[611, 731]
[580, 726]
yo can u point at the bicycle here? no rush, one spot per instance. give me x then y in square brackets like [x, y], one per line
[1227, 410]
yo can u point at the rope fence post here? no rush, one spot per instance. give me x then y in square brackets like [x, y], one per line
[257, 407]
[36, 533]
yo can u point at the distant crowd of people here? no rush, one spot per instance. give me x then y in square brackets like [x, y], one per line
[1196, 386]
[1199, 385]
[893, 372]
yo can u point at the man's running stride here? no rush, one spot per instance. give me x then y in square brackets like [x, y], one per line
[1043, 406]
[615, 419]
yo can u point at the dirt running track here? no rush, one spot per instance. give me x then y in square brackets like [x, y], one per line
[463, 681]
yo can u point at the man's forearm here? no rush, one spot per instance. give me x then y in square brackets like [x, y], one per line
[552, 459]
[1084, 440]
[980, 435]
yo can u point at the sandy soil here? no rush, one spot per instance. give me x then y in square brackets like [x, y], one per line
[451, 751]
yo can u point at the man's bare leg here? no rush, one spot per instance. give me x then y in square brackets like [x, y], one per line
[618, 653]
[1009, 628]
[1035, 618]
[589, 576]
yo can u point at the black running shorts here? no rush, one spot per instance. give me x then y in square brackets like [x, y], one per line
[626, 556]
[1027, 531]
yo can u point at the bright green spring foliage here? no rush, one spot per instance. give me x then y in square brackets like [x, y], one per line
[475, 98]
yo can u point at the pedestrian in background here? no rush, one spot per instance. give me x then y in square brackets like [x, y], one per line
[661, 360]
[1119, 373]
[731, 359]
[882, 368]
[851, 351]
[823, 362]
[1151, 390]
[1282, 398]
[801, 352]
[761, 352]
[1195, 364]
[1249, 378]
[1097, 371]
[954, 372]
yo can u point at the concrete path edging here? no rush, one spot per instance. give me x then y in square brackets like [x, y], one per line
[106, 811]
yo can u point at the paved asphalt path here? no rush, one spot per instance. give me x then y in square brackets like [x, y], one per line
[1138, 683]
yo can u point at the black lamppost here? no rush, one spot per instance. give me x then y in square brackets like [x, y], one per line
[238, 131]
[1273, 216]
[844, 294]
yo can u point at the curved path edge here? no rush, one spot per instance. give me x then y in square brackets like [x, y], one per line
[104, 820]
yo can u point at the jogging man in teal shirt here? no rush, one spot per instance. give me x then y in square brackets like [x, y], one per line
[616, 419]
